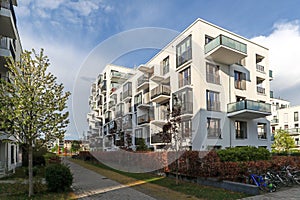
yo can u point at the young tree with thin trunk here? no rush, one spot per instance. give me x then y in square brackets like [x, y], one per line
[283, 142]
[32, 104]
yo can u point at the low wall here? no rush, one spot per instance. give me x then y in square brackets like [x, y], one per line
[227, 185]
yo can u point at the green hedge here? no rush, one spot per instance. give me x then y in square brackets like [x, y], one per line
[247, 153]
[58, 177]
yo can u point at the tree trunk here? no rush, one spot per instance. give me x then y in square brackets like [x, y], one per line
[30, 183]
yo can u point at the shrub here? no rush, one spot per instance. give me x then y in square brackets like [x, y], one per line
[58, 177]
[247, 153]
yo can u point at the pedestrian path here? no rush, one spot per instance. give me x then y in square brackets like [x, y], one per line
[91, 185]
[284, 193]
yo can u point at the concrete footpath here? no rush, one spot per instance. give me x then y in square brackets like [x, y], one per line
[292, 193]
[91, 185]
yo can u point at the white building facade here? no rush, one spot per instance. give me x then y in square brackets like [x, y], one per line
[10, 46]
[219, 80]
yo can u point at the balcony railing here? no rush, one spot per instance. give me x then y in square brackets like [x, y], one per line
[143, 119]
[161, 137]
[260, 90]
[160, 90]
[274, 121]
[271, 74]
[260, 68]
[8, 5]
[225, 41]
[249, 105]
[127, 93]
[184, 81]
[143, 79]
[271, 94]
[213, 78]
[119, 75]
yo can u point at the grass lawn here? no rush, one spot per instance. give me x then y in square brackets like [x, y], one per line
[161, 187]
[19, 190]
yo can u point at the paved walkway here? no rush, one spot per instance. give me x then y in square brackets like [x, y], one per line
[284, 193]
[91, 185]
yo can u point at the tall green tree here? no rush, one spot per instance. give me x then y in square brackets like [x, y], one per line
[283, 142]
[32, 104]
[75, 146]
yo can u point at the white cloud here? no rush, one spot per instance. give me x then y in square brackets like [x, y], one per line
[284, 48]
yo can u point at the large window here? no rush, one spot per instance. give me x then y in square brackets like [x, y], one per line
[212, 73]
[186, 128]
[185, 77]
[262, 130]
[184, 99]
[296, 116]
[213, 100]
[213, 128]
[184, 51]
[239, 80]
[165, 65]
[240, 130]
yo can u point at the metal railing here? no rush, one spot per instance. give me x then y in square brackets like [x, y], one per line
[143, 119]
[249, 105]
[260, 68]
[142, 79]
[225, 41]
[160, 90]
[260, 90]
[213, 105]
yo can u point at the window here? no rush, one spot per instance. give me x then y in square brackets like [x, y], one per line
[213, 100]
[137, 100]
[185, 77]
[296, 116]
[213, 128]
[186, 128]
[139, 133]
[240, 130]
[286, 127]
[184, 51]
[165, 65]
[262, 130]
[239, 80]
[212, 73]
[184, 99]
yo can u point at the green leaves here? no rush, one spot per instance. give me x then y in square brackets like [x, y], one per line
[283, 142]
[33, 102]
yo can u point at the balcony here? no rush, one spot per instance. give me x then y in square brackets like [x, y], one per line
[248, 109]
[186, 109]
[127, 122]
[270, 75]
[8, 19]
[260, 68]
[274, 121]
[160, 138]
[161, 117]
[118, 76]
[261, 90]
[294, 131]
[214, 133]
[143, 119]
[146, 104]
[225, 50]
[6, 49]
[143, 82]
[145, 69]
[160, 93]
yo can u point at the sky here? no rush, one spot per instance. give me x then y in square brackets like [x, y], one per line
[71, 30]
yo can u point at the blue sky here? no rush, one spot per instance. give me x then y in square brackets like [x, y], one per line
[69, 30]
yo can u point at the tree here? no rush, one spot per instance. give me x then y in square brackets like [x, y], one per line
[32, 104]
[75, 146]
[283, 142]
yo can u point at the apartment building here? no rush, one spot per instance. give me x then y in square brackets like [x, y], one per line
[103, 107]
[10, 46]
[218, 80]
[285, 117]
